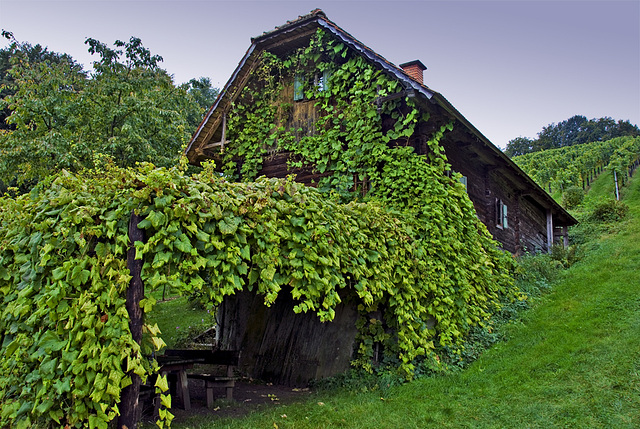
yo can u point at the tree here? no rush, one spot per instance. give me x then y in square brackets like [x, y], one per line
[204, 94]
[575, 130]
[519, 146]
[17, 51]
[128, 109]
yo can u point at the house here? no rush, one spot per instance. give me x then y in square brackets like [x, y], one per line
[519, 214]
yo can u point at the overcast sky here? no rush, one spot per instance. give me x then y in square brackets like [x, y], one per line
[510, 67]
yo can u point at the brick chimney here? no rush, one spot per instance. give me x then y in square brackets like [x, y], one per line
[414, 69]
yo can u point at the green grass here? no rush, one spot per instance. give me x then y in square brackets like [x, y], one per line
[178, 319]
[573, 361]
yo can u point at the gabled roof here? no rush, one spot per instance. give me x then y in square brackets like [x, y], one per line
[297, 33]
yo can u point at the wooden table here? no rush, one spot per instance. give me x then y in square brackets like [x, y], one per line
[179, 366]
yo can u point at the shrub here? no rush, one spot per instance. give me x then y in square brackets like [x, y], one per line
[567, 256]
[609, 211]
[572, 197]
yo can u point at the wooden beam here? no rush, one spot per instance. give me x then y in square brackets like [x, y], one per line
[271, 45]
[549, 230]
[407, 93]
[130, 407]
[237, 89]
[223, 140]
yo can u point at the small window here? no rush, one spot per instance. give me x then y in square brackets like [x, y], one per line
[320, 82]
[361, 184]
[501, 215]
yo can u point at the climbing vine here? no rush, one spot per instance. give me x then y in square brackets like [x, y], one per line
[362, 149]
[412, 255]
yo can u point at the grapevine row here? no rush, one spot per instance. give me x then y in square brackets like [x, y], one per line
[558, 169]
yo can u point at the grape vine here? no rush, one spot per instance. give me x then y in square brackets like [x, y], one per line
[412, 250]
[557, 169]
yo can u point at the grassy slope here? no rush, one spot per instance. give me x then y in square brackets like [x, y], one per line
[574, 362]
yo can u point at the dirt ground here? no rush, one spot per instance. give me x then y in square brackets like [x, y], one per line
[248, 396]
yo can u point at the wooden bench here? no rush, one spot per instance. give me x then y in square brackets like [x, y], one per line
[226, 358]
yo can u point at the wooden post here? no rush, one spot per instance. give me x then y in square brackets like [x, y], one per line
[130, 409]
[565, 234]
[549, 230]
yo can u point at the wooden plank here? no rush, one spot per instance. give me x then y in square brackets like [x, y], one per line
[209, 357]
[183, 390]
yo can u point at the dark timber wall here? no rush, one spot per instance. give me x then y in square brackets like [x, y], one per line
[283, 347]
[526, 230]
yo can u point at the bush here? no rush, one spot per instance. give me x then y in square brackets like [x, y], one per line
[567, 256]
[536, 268]
[609, 211]
[572, 197]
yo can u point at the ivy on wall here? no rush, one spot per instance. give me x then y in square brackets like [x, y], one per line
[413, 252]
[357, 140]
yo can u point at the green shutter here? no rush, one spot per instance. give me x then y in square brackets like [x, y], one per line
[298, 88]
[505, 224]
[325, 80]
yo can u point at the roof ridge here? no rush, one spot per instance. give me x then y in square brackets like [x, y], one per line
[314, 13]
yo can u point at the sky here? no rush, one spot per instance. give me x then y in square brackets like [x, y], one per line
[510, 67]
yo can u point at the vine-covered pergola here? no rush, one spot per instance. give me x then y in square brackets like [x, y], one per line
[77, 250]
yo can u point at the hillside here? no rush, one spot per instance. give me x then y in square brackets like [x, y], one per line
[556, 170]
[572, 361]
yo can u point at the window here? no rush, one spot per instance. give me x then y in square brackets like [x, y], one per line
[320, 82]
[361, 184]
[501, 215]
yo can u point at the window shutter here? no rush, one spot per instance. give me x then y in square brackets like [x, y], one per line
[325, 80]
[505, 224]
[298, 88]
[463, 180]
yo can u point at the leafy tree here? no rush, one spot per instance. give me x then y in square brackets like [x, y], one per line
[17, 51]
[204, 94]
[128, 109]
[575, 130]
[519, 146]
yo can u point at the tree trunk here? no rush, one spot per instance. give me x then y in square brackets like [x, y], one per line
[130, 409]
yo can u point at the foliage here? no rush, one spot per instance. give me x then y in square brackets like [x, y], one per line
[570, 362]
[66, 343]
[609, 210]
[33, 54]
[204, 94]
[64, 327]
[580, 165]
[128, 109]
[415, 253]
[348, 144]
[574, 131]
[572, 197]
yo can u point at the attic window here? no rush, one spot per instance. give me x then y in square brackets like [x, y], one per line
[320, 82]
[501, 215]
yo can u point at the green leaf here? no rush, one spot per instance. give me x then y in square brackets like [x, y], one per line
[229, 226]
